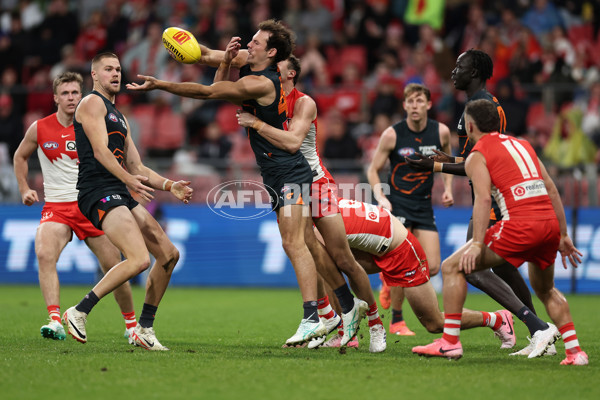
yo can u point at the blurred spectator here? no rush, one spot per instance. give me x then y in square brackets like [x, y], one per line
[541, 18]
[148, 57]
[474, 29]
[373, 27]
[10, 55]
[569, 146]
[214, 145]
[339, 144]
[590, 105]
[386, 100]
[69, 62]
[313, 65]
[514, 108]
[9, 84]
[140, 14]
[31, 14]
[369, 143]
[117, 27]
[40, 97]
[92, 37]
[62, 23]
[11, 126]
[317, 20]
[509, 27]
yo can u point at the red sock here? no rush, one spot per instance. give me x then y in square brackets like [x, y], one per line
[373, 315]
[570, 338]
[452, 327]
[324, 308]
[493, 320]
[130, 321]
[54, 312]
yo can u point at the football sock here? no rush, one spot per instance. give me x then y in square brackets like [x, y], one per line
[533, 322]
[324, 308]
[397, 316]
[147, 316]
[493, 320]
[130, 321]
[311, 312]
[569, 336]
[88, 302]
[373, 315]
[452, 327]
[345, 298]
[54, 312]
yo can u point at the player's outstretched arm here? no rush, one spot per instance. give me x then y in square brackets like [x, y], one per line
[566, 247]
[305, 111]
[248, 87]
[447, 197]
[179, 189]
[441, 162]
[24, 151]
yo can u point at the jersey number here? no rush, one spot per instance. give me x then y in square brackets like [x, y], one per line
[522, 159]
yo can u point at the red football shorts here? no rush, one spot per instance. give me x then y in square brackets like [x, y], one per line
[406, 265]
[69, 214]
[519, 241]
[324, 200]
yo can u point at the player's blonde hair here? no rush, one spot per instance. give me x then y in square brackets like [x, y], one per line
[416, 88]
[67, 77]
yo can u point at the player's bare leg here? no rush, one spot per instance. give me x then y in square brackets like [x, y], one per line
[50, 240]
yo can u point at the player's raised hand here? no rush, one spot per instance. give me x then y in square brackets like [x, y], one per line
[29, 197]
[232, 49]
[182, 191]
[423, 163]
[149, 84]
[568, 250]
[442, 157]
[447, 199]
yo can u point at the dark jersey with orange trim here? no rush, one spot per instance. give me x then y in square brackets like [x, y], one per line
[92, 174]
[269, 157]
[407, 184]
[464, 145]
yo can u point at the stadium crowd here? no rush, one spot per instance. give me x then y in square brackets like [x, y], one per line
[356, 55]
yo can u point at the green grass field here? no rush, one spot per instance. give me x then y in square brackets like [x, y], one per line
[226, 344]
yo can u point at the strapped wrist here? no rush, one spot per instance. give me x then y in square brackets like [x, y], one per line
[438, 166]
[257, 125]
[167, 185]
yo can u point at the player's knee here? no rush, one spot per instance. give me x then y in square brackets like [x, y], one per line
[432, 325]
[142, 265]
[434, 268]
[448, 267]
[46, 259]
[474, 279]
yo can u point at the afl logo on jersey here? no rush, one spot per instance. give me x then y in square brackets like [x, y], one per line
[113, 117]
[50, 145]
[406, 151]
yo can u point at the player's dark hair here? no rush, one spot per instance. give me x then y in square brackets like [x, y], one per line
[416, 88]
[67, 77]
[482, 63]
[281, 39]
[294, 64]
[484, 114]
[101, 56]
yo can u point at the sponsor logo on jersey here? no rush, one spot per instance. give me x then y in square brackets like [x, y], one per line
[71, 146]
[526, 190]
[106, 199]
[406, 151]
[427, 150]
[50, 145]
[112, 117]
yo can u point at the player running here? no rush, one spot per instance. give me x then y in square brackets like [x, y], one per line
[54, 139]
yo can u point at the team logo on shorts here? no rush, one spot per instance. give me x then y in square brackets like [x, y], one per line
[406, 151]
[410, 273]
[112, 117]
[285, 189]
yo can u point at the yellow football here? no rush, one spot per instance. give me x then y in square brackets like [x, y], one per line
[181, 45]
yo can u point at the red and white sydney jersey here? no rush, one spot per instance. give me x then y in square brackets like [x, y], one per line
[309, 145]
[368, 227]
[58, 158]
[517, 183]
